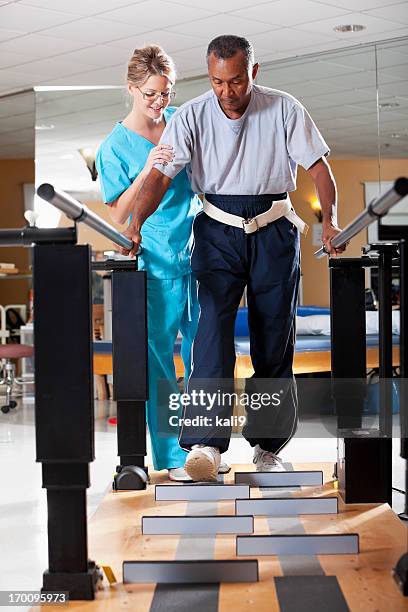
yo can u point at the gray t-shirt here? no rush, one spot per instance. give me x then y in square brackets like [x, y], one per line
[255, 154]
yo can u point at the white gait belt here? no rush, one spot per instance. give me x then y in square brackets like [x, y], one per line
[279, 208]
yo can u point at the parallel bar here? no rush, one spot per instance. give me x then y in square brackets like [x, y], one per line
[201, 525]
[308, 544]
[78, 212]
[375, 209]
[200, 492]
[286, 506]
[187, 572]
[27, 236]
[280, 479]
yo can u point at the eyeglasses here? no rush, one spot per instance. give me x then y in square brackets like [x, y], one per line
[152, 96]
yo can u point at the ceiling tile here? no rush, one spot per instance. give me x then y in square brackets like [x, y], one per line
[185, 60]
[325, 26]
[207, 29]
[51, 68]
[20, 104]
[92, 30]
[10, 79]
[395, 72]
[106, 76]
[17, 122]
[357, 5]
[155, 14]
[38, 46]
[290, 12]
[30, 18]
[164, 38]
[8, 34]
[81, 7]
[220, 7]
[11, 59]
[396, 12]
[99, 55]
[285, 39]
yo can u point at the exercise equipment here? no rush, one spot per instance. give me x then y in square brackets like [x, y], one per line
[287, 506]
[364, 466]
[200, 492]
[305, 544]
[129, 329]
[197, 525]
[64, 416]
[67, 407]
[374, 211]
[295, 478]
[188, 572]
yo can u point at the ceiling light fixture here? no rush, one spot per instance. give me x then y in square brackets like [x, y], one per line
[383, 105]
[45, 126]
[349, 28]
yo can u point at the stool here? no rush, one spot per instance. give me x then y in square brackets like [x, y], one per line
[9, 352]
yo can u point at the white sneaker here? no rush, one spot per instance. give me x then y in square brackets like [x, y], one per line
[224, 468]
[266, 461]
[178, 474]
[202, 463]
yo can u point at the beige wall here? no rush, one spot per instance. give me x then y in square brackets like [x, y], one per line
[14, 173]
[350, 176]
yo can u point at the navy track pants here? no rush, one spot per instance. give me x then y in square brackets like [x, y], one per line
[225, 260]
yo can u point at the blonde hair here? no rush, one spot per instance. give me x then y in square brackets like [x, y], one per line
[148, 61]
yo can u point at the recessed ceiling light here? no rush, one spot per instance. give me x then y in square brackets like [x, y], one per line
[349, 28]
[45, 126]
[388, 105]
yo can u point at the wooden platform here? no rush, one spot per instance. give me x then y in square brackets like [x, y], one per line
[365, 579]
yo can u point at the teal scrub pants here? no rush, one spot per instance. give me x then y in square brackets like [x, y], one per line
[172, 306]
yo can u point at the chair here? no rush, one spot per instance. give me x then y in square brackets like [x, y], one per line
[8, 378]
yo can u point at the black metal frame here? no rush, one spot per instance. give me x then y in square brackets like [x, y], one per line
[64, 414]
[364, 464]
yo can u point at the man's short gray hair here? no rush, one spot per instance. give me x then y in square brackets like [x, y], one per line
[227, 45]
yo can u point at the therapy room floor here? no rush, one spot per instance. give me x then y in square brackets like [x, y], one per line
[23, 532]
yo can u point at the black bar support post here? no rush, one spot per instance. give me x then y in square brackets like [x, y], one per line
[404, 365]
[64, 414]
[130, 383]
[363, 468]
[400, 571]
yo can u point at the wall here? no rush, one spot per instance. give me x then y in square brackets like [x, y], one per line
[86, 235]
[13, 174]
[350, 174]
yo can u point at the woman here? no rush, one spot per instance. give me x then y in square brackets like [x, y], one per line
[124, 159]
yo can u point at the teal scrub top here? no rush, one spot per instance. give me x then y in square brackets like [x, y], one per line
[167, 237]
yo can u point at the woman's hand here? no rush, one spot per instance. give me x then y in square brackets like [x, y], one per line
[162, 154]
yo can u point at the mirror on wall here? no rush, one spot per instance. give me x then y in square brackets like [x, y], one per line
[340, 89]
[392, 61]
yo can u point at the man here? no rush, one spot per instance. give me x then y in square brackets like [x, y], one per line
[241, 144]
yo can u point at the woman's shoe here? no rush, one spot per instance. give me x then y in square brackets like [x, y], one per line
[178, 475]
